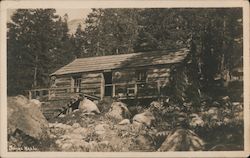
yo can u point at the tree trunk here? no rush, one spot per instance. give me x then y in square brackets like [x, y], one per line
[35, 72]
[223, 46]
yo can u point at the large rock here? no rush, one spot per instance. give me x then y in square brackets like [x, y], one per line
[155, 105]
[143, 143]
[196, 121]
[36, 102]
[87, 106]
[118, 112]
[124, 122]
[27, 117]
[182, 140]
[145, 118]
[213, 111]
[100, 129]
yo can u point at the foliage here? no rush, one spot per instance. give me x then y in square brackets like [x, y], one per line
[109, 31]
[212, 35]
[223, 125]
[36, 38]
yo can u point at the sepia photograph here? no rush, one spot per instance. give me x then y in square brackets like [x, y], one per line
[125, 79]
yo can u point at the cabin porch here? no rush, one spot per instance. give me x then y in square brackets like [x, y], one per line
[122, 91]
[137, 90]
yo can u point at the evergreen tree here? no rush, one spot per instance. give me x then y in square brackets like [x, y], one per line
[35, 40]
[80, 43]
[111, 31]
[63, 46]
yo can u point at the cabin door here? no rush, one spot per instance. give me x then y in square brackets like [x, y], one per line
[107, 83]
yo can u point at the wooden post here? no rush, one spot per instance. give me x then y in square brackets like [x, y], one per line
[30, 95]
[135, 89]
[40, 93]
[72, 84]
[113, 90]
[102, 86]
[158, 87]
[49, 94]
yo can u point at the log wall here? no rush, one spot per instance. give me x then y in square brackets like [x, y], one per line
[125, 81]
[157, 78]
[159, 75]
[124, 76]
[91, 83]
[63, 87]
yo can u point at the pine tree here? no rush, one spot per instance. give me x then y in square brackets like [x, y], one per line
[35, 37]
[80, 43]
[111, 31]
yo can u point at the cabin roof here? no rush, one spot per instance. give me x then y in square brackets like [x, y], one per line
[123, 61]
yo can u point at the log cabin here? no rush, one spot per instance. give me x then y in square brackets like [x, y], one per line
[125, 76]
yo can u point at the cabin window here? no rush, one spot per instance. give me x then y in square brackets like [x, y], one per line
[141, 75]
[53, 81]
[77, 84]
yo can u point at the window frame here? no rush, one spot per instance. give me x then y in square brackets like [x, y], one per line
[141, 75]
[77, 80]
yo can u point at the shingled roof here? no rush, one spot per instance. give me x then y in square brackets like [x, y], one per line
[123, 61]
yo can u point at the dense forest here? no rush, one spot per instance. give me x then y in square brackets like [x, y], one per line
[38, 41]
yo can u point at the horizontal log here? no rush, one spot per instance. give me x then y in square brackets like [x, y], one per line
[97, 90]
[60, 81]
[92, 75]
[94, 94]
[91, 85]
[63, 79]
[91, 80]
[63, 84]
[156, 76]
[60, 92]
[159, 70]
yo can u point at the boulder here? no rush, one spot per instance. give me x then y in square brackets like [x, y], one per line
[36, 102]
[237, 106]
[226, 98]
[87, 106]
[80, 131]
[226, 120]
[143, 143]
[145, 118]
[118, 111]
[155, 105]
[213, 111]
[136, 109]
[20, 99]
[27, 117]
[238, 116]
[66, 147]
[196, 121]
[182, 140]
[100, 129]
[76, 125]
[124, 122]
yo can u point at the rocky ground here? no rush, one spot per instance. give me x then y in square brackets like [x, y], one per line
[160, 127]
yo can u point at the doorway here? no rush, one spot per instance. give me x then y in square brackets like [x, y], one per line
[108, 90]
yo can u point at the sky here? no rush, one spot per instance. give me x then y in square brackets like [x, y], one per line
[72, 13]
